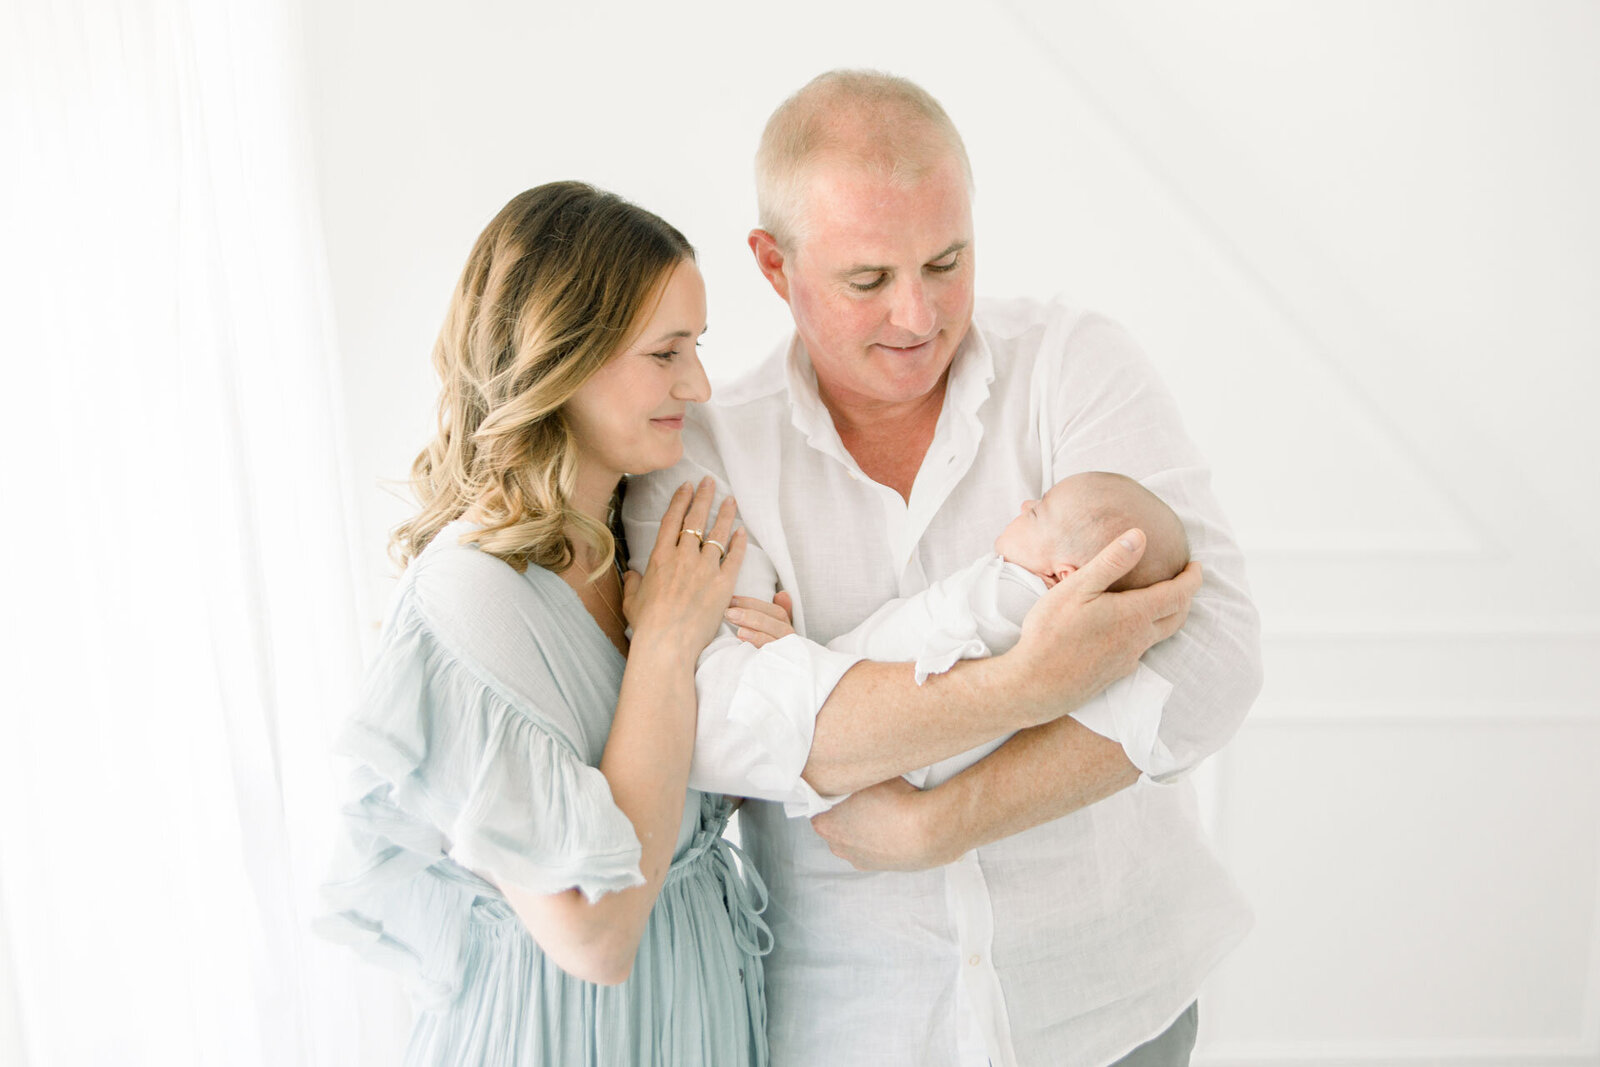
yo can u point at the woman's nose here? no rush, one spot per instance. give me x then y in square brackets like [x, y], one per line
[692, 384]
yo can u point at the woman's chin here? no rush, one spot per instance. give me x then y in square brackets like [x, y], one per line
[658, 460]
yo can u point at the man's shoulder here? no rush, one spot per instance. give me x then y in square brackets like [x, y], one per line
[741, 417]
[765, 384]
[1008, 317]
[748, 410]
[1026, 331]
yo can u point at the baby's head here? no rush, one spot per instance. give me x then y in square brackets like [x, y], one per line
[1079, 516]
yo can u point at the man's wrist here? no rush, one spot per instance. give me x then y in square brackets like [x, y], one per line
[934, 826]
[1012, 681]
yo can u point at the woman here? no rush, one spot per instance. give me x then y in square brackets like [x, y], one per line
[523, 842]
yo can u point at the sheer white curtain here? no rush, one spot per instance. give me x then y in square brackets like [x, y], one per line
[182, 638]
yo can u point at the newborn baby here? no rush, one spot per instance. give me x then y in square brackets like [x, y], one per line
[1079, 515]
[978, 611]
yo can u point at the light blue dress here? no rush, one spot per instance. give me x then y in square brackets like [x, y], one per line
[477, 738]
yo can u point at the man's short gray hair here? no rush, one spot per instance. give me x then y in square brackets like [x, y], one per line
[877, 121]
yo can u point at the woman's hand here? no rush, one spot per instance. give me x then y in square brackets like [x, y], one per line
[760, 621]
[689, 579]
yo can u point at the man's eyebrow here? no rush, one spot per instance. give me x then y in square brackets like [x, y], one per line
[869, 268]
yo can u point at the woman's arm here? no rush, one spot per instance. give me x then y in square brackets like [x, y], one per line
[675, 608]
[646, 761]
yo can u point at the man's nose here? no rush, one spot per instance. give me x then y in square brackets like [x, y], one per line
[911, 311]
[692, 383]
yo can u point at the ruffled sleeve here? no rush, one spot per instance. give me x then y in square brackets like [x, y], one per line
[469, 761]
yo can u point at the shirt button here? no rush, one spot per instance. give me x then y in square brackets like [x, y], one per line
[975, 960]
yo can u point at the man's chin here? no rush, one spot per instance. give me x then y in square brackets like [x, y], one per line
[911, 378]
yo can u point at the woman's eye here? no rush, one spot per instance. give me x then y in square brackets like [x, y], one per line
[665, 357]
[867, 287]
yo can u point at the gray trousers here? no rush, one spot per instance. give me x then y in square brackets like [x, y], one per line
[1171, 1047]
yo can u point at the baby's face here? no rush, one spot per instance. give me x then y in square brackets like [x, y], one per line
[1033, 538]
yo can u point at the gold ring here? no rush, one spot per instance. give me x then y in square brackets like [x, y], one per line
[713, 541]
[700, 534]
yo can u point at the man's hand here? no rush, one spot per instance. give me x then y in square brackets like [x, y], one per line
[1079, 638]
[880, 828]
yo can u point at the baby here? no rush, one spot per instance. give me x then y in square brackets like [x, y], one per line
[1079, 515]
[978, 611]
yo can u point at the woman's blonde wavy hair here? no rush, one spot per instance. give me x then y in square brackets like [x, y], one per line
[553, 288]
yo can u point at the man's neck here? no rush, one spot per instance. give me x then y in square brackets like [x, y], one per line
[888, 441]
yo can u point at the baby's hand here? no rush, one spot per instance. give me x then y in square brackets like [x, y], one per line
[760, 621]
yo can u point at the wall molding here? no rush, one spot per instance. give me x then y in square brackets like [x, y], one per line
[1387, 1054]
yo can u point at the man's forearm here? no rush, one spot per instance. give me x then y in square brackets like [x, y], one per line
[877, 723]
[1040, 775]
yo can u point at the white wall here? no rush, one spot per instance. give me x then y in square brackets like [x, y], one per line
[1360, 241]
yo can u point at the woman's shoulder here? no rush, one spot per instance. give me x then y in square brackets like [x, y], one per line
[449, 561]
[468, 631]
[507, 625]
[452, 578]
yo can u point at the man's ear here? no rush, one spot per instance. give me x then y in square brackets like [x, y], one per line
[770, 259]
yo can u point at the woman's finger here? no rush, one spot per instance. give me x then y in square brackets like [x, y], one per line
[672, 520]
[717, 537]
[735, 556]
[694, 521]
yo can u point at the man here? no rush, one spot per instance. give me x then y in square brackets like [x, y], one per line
[1034, 909]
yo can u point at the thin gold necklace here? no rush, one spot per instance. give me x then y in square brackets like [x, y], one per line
[616, 563]
[614, 613]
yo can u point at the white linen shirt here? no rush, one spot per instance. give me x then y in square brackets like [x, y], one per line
[1070, 943]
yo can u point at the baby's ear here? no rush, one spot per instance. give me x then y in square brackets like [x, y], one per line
[1064, 570]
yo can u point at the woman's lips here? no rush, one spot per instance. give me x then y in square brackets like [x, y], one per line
[675, 422]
